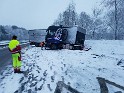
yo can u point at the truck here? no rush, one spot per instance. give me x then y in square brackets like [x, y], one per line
[58, 36]
[36, 36]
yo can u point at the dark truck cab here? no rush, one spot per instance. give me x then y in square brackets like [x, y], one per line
[57, 36]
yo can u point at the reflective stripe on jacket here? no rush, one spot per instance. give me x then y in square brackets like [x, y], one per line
[14, 46]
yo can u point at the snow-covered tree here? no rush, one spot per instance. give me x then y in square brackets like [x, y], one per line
[85, 20]
[6, 33]
[97, 22]
[68, 17]
[59, 20]
[115, 17]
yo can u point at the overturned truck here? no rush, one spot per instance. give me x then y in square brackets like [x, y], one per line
[58, 37]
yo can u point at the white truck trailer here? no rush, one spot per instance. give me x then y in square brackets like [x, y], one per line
[37, 36]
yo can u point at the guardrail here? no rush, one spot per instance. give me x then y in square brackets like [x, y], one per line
[3, 45]
[6, 44]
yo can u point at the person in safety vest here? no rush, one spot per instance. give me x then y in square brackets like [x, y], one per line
[42, 44]
[15, 49]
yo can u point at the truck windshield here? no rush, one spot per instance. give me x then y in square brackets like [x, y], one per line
[51, 32]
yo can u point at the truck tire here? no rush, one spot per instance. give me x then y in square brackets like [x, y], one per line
[37, 44]
[60, 46]
[71, 47]
[53, 46]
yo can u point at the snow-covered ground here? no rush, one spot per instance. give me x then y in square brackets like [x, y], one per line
[75, 68]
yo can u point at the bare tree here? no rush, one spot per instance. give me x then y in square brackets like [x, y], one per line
[115, 15]
[97, 22]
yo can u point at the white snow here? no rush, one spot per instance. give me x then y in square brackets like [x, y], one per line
[9, 81]
[76, 68]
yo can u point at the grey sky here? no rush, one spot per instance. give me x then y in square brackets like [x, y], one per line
[32, 14]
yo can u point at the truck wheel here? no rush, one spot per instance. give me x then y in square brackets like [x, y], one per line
[70, 47]
[37, 44]
[60, 46]
[53, 47]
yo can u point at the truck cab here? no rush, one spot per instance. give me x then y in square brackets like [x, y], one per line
[55, 37]
[58, 36]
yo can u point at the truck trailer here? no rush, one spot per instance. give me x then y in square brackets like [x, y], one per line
[59, 36]
[37, 36]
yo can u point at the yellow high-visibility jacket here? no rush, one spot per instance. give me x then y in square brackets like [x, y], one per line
[14, 46]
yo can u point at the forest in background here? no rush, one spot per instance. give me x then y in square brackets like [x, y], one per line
[6, 33]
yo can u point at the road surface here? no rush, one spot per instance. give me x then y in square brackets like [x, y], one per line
[5, 57]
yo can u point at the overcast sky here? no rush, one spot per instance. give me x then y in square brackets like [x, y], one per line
[32, 14]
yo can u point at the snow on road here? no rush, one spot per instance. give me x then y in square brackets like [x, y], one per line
[78, 69]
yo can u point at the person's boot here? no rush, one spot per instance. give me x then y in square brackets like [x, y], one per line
[19, 71]
[15, 70]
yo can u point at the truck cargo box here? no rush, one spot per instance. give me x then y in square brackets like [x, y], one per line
[37, 36]
[75, 35]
